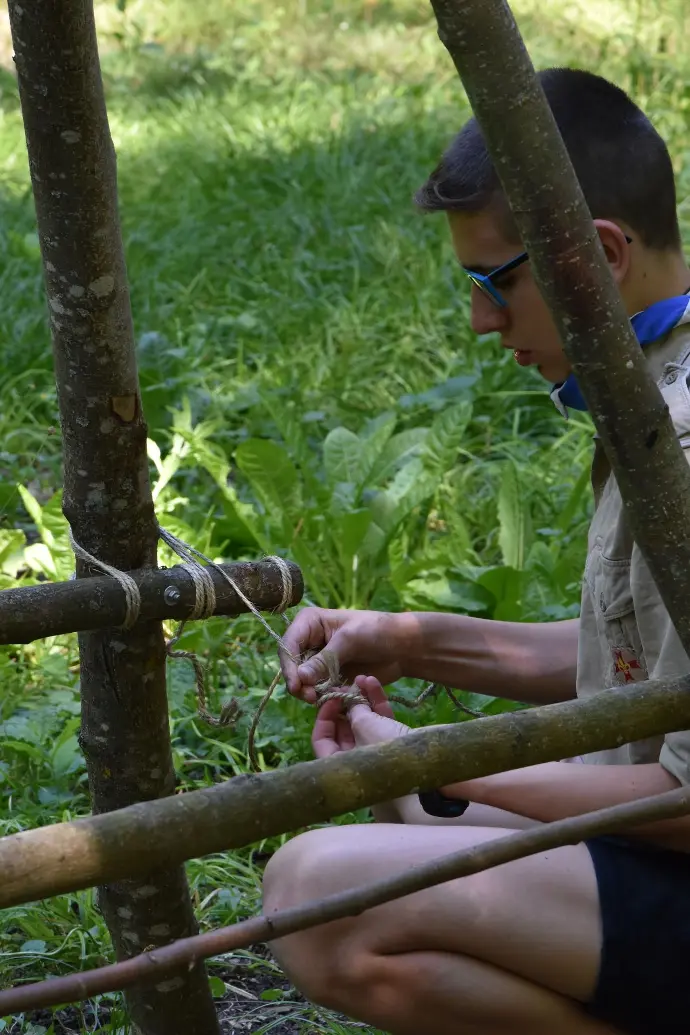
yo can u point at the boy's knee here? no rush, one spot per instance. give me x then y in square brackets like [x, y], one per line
[291, 876]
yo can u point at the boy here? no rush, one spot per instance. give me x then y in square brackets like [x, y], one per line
[589, 938]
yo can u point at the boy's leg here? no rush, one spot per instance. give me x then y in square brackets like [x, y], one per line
[509, 950]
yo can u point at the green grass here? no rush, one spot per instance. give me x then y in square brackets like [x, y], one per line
[287, 298]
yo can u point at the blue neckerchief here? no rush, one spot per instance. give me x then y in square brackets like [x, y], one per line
[649, 325]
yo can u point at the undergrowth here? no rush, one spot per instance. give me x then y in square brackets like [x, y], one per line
[310, 380]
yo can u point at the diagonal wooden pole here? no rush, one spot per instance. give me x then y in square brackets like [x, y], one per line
[171, 959]
[573, 275]
[107, 496]
[247, 809]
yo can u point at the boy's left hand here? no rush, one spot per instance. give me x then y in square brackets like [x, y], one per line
[335, 731]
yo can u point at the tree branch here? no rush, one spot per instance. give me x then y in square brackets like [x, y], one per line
[51, 608]
[573, 275]
[154, 966]
[149, 835]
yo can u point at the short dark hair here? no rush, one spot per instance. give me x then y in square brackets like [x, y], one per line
[622, 163]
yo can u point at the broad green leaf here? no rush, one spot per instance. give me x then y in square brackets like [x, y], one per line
[578, 494]
[398, 450]
[271, 473]
[11, 544]
[514, 518]
[67, 757]
[506, 585]
[154, 454]
[66, 754]
[407, 479]
[24, 749]
[35, 512]
[212, 459]
[341, 456]
[40, 559]
[372, 447]
[540, 559]
[445, 436]
[451, 594]
[436, 398]
[343, 498]
[217, 987]
[349, 531]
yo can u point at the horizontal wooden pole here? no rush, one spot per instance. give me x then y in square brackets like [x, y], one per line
[155, 965]
[136, 841]
[50, 608]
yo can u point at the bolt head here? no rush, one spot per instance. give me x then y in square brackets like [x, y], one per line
[171, 594]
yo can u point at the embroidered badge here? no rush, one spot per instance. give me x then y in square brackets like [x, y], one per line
[626, 667]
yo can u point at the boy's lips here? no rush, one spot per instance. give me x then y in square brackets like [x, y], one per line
[523, 357]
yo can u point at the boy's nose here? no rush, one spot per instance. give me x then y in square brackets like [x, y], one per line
[486, 318]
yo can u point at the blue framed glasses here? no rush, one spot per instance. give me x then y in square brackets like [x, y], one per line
[486, 281]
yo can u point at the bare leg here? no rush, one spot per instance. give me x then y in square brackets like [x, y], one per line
[511, 950]
[435, 993]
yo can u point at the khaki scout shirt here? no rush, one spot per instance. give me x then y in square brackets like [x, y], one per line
[625, 631]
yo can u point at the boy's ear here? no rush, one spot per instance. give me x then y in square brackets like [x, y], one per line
[616, 247]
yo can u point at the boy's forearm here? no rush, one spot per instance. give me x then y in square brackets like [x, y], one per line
[530, 662]
[556, 790]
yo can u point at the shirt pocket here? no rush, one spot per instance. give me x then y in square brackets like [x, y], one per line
[609, 582]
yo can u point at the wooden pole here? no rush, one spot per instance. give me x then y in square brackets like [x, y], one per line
[107, 496]
[246, 809]
[571, 270]
[51, 608]
[172, 958]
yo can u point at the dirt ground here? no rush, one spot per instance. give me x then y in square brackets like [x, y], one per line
[241, 1011]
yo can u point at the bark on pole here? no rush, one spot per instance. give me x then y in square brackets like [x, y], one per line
[107, 497]
[571, 270]
[353, 902]
[249, 808]
[51, 608]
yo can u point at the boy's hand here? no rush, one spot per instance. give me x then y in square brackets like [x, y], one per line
[334, 731]
[371, 640]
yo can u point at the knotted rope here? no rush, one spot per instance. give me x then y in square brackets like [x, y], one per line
[328, 689]
[204, 607]
[325, 691]
[129, 586]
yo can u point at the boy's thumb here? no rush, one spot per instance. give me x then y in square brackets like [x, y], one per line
[322, 666]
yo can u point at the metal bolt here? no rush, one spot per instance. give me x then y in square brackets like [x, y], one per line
[171, 594]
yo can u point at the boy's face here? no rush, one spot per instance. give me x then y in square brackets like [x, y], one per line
[525, 323]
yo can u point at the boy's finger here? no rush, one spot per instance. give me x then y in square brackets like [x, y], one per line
[376, 695]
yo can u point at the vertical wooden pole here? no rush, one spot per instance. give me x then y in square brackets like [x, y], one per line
[107, 496]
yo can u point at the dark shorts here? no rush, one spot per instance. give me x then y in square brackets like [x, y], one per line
[644, 895]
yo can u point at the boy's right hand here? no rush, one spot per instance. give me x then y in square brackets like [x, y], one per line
[361, 641]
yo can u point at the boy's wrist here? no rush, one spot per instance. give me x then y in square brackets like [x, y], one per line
[408, 633]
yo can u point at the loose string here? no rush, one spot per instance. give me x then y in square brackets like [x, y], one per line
[325, 691]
